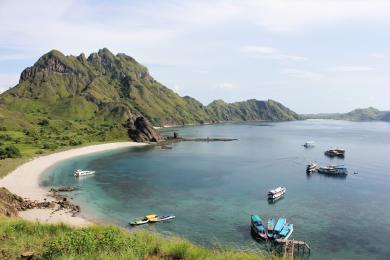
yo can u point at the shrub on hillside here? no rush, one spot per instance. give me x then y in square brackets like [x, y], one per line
[44, 122]
[9, 152]
[49, 146]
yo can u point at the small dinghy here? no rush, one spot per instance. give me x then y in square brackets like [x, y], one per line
[79, 173]
[163, 218]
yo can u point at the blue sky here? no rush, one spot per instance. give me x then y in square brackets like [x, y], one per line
[313, 56]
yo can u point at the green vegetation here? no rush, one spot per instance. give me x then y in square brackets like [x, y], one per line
[360, 114]
[100, 242]
[64, 101]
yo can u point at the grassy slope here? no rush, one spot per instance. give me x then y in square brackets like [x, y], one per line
[100, 242]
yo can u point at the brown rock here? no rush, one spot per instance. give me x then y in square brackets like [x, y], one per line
[142, 131]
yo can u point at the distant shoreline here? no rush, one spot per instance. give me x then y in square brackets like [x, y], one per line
[24, 181]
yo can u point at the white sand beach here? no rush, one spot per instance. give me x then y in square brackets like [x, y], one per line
[24, 181]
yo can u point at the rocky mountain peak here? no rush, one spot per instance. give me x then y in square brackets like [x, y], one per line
[53, 61]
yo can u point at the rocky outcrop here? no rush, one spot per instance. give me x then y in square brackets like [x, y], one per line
[51, 62]
[141, 130]
[11, 204]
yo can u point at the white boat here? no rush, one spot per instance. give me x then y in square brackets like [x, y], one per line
[312, 167]
[162, 218]
[276, 193]
[79, 173]
[309, 144]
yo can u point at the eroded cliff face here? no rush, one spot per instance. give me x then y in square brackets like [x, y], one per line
[141, 130]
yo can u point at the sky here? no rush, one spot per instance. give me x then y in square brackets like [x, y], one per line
[312, 56]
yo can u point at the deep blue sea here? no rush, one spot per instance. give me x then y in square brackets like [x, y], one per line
[213, 188]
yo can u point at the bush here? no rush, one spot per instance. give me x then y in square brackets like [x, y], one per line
[49, 146]
[3, 128]
[39, 152]
[44, 122]
[75, 142]
[9, 152]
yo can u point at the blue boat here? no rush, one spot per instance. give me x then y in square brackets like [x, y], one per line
[270, 227]
[257, 226]
[278, 227]
[286, 232]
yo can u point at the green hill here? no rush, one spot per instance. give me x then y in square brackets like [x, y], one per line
[98, 98]
[360, 114]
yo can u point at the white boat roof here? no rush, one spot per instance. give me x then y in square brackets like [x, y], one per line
[278, 189]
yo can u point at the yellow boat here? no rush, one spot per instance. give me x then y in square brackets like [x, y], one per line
[144, 220]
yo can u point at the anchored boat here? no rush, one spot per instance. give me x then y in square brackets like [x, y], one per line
[334, 170]
[270, 227]
[286, 232]
[278, 227]
[335, 152]
[258, 227]
[312, 168]
[276, 193]
[162, 218]
[144, 220]
[79, 173]
[309, 144]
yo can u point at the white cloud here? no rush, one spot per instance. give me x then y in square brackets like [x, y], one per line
[7, 81]
[227, 86]
[303, 74]
[277, 15]
[260, 50]
[269, 53]
[351, 69]
[377, 55]
[284, 16]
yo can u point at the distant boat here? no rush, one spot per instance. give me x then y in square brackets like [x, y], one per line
[335, 170]
[335, 152]
[312, 167]
[278, 227]
[144, 220]
[79, 173]
[276, 193]
[257, 226]
[309, 144]
[270, 227]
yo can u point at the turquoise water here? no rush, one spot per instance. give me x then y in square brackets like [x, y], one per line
[213, 188]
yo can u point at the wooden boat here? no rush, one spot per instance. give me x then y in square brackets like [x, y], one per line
[258, 227]
[278, 227]
[144, 220]
[162, 218]
[276, 193]
[286, 232]
[270, 227]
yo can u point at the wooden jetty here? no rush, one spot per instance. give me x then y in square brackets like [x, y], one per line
[288, 247]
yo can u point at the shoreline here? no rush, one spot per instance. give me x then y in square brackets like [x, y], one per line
[24, 182]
